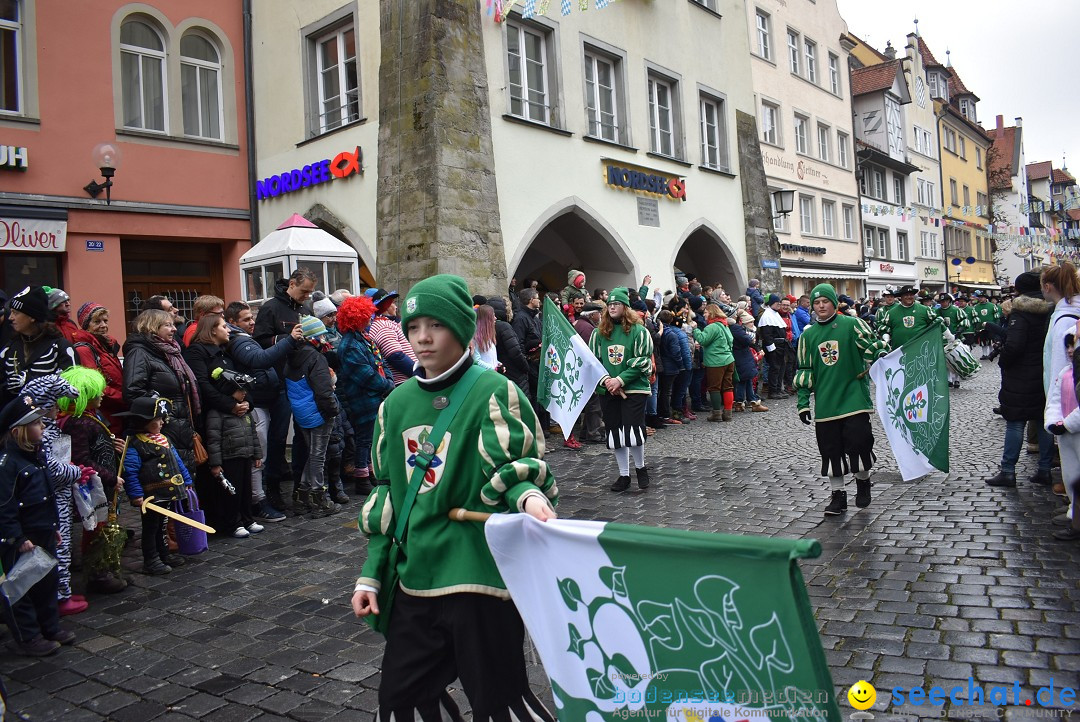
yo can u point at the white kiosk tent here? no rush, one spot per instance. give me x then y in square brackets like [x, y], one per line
[298, 243]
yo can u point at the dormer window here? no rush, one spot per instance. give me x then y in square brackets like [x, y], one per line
[967, 109]
[939, 86]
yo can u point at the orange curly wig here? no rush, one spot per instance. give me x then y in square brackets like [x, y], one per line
[355, 314]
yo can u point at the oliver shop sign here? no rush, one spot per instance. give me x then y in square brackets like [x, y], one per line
[646, 181]
[32, 235]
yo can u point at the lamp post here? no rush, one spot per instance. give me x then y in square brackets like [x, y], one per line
[783, 203]
[106, 157]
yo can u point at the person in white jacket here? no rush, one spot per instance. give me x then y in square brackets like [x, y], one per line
[1060, 286]
[1062, 418]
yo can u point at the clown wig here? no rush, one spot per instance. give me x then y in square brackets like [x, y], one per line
[355, 314]
[89, 382]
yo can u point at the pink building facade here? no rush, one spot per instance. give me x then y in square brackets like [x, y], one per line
[162, 85]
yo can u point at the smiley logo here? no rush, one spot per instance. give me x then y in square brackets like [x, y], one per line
[862, 695]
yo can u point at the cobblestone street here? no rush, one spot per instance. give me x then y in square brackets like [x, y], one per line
[937, 581]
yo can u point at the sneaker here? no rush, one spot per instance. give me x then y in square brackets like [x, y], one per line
[37, 647]
[572, 443]
[1061, 519]
[838, 504]
[174, 560]
[63, 636]
[156, 567]
[339, 497]
[255, 527]
[642, 477]
[267, 513]
[241, 533]
[862, 493]
[71, 606]
[621, 484]
[276, 501]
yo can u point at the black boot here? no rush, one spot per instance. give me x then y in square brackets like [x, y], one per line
[362, 485]
[621, 484]
[301, 500]
[1002, 478]
[642, 477]
[1041, 477]
[838, 504]
[862, 493]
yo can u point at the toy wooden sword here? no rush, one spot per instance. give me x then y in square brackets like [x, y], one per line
[173, 515]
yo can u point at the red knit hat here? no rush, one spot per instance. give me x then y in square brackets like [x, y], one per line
[86, 313]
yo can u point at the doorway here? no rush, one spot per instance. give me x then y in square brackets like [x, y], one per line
[180, 271]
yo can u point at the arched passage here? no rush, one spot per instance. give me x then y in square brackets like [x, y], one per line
[321, 216]
[570, 235]
[704, 252]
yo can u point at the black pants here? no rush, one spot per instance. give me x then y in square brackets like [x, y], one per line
[591, 424]
[472, 637]
[238, 506]
[36, 613]
[777, 365]
[663, 394]
[154, 543]
[791, 361]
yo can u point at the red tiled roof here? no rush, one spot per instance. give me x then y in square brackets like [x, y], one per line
[957, 87]
[1040, 170]
[874, 78]
[928, 58]
[1001, 160]
[1062, 176]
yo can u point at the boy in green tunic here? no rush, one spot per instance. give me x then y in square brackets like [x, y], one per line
[956, 321]
[903, 321]
[833, 356]
[968, 334]
[452, 616]
[624, 347]
[986, 311]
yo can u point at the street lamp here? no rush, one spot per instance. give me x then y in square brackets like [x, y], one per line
[783, 203]
[106, 157]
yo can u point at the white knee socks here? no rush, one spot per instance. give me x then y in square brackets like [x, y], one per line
[639, 456]
[622, 455]
[862, 475]
[837, 483]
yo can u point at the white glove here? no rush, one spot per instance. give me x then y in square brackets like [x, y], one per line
[771, 347]
[947, 335]
[886, 337]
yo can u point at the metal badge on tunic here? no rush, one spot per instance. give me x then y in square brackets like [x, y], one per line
[440, 402]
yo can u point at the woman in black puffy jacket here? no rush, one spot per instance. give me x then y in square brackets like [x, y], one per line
[155, 366]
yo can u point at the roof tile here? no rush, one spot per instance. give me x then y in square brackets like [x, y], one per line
[874, 78]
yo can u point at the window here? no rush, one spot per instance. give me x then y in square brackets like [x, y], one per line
[602, 96]
[338, 87]
[764, 36]
[953, 192]
[710, 4]
[983, 205]
[810, 50]
[770, 126]
[883, 242]
[925, 192]
[849, 222]
[527, 56]
[967, 109]
[713, 136]
[901, 246]
[828, 218]
[899, 195]
[868, 236]
[834, 73]
[662, 126]
[823, 142]
[842, 148]
[779, 222]
[873, 182]
[801, 131]
[10, 57]
[939, 86]
[978, 158]
[806, 214]
[928, 245]
[142, 74]
[924, 142]
[963, 148]
[967, 196]
[793, 51]
[200, 87]
[950, 139]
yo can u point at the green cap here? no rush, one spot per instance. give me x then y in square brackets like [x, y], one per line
[445, 298]
[619, 294]
[824, 290]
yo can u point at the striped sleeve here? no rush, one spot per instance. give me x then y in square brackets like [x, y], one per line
[870, 346]
[376, 523]
[389, 339]
[511, 446]
[804, 375]
[639, 358]
[379, 467]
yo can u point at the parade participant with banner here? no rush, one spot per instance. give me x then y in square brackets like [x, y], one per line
[833, 355]
[624, 347]
[956, 321]
[905, 320]
[436, 593]
[569, 373]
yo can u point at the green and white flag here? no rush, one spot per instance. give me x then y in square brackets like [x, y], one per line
[913, 403]
[569, 372]
[634, 622]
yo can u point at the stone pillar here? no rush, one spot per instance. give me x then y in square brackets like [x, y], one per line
[438, 208]
[761, 242]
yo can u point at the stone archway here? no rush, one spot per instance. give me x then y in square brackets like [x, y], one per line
[704, 252]
[325, 219]
[571, 235]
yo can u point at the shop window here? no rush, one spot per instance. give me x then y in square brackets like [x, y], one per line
[200, 87]
[20, 270]
[142, 72]
[10, 60]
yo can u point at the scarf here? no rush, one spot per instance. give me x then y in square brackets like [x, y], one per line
[171, 349]
[1068, 392]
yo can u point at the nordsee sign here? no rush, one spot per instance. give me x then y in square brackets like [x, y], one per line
[672, 187]
[343, 165]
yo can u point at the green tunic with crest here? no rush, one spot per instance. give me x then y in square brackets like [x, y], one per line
[833, 357]
[903, 323]
[626, 355]
[954, 318]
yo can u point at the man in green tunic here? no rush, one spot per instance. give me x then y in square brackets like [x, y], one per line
[833, 356]
[956, 321]
[888, 298]
[903, 321]
[985, 311]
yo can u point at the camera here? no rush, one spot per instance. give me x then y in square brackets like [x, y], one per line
[232, 380]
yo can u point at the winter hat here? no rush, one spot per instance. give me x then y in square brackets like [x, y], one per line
[312, 327]
[1028, 282]
[697, 303]
[773, 298]
[45, 390]
[33, 302]
[355, 314]
[383, 298]
[445, 298]
[619, 294]
[19, 411]
[478, 300]
[324, 308]
[499, 304]
[86, 313]
[824, 290]
[56, 296]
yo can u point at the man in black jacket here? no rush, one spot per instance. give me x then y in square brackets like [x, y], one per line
[508, 347]
[276, 320]
[530, 331]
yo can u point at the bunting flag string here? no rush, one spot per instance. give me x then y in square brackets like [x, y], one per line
[500, 9]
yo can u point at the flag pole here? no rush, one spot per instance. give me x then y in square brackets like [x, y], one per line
[459, 514]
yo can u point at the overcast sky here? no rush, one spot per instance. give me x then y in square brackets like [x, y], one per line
[1020, 59]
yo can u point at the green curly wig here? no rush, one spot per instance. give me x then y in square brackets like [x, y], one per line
[89, 382]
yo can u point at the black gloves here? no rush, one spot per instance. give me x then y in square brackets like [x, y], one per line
[804, 416]
[1057, 429]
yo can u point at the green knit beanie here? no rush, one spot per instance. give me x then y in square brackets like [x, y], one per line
[824, 290]
[445, 298]
[619, 294]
